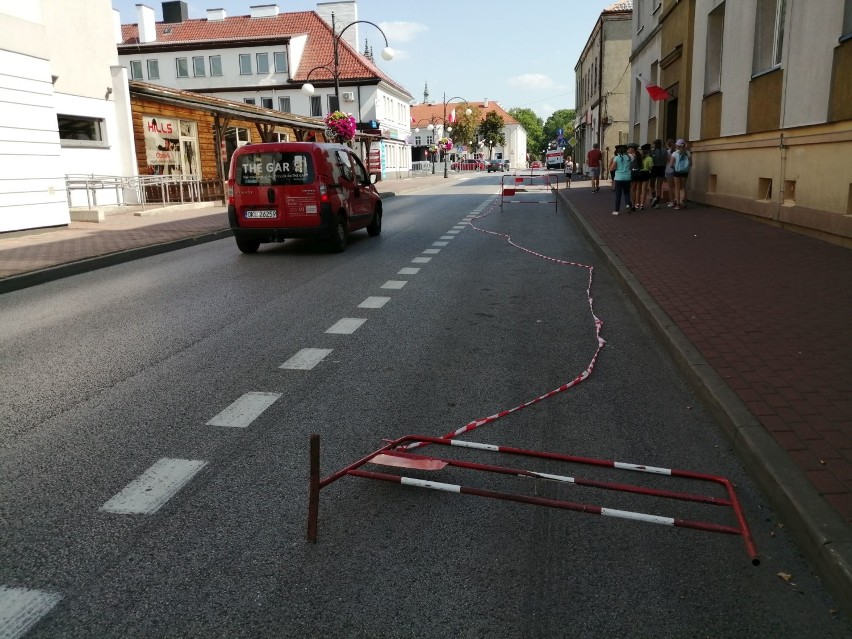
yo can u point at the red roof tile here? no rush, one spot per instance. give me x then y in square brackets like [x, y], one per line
[436, 110]
[318, 51]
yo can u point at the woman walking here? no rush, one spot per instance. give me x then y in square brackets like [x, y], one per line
[620, 169]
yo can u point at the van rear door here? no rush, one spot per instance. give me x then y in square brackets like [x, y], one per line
[276, 189]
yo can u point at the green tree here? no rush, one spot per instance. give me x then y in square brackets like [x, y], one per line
[533, 126]
[491, 131]
[464, 128]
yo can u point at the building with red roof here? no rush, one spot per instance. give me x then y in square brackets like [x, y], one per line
[265, 58]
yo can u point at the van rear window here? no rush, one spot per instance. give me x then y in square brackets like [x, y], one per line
[273, 169]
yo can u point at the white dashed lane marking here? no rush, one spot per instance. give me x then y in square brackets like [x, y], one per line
[153, 488]
[439, 243]
[421, 260]
[447, 237]
[306, 359]
[374, 302]
[395, 284]
[408, 271]
[245, 410]
[21, 609]
[432, 251]
[346, 326]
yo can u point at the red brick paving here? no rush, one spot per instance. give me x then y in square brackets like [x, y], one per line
[770, 310]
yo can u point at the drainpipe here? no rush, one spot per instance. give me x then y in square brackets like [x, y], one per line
[600, 85]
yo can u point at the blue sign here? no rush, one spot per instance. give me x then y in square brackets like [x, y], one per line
[559, 132]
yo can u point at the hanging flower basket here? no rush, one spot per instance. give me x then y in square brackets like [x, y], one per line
[445, 144]
[340, 126]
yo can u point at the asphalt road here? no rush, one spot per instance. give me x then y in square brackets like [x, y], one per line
[109, 373]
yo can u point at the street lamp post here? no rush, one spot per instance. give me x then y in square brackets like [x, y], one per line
[467, 111]
[433, 129]
[308, 88]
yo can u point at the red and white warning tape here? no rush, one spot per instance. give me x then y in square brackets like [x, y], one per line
[579, 378]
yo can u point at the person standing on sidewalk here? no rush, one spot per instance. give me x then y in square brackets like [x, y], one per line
[681, 162]
[669, 173]
[593, 159]
[659, 158]
[620, 168]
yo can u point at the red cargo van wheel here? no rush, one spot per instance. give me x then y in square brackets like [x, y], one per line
[248, 246]
[375, 226]
[338, 235]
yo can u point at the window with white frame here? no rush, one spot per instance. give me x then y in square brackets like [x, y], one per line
[263, 63]
[245, 64]
[215, 65]
[280, 60]
[768, 35]
[249, 100]
[136, 70]
[182, 67]
[198, 67]
[76, 130]
[713, 62]
[266, 103]
[316, 106]
[284, 105]
[153, 69]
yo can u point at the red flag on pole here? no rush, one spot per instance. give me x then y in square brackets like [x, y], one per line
[657, 93]
[453, 116]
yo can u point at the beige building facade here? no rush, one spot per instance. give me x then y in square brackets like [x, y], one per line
[603, 84]
[762, 90]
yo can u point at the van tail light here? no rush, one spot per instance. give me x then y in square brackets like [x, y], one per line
[323, 191]
[230, 192]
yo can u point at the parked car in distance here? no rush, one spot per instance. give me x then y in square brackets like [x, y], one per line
[535, 164]
[496, 165]
[281, 190]
[506, 165]
[468, 164]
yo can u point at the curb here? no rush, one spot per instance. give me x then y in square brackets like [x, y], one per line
[51, 273]
[822, 535]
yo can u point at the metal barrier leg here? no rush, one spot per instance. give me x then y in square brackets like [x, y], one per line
[313, 489]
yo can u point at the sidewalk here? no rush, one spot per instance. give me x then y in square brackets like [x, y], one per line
[759, 319]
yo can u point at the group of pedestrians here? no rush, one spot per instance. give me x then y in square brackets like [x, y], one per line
[638, 172]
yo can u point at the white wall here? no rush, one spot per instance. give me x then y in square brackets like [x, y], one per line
[32, 182]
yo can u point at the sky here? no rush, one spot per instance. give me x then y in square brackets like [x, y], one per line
[516, 54]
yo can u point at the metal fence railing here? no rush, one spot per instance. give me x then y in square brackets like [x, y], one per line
[117, 190]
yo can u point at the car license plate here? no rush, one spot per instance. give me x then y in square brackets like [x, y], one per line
[262, 214]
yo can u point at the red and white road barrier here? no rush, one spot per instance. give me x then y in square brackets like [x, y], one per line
[394, 454]
[537, 185]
